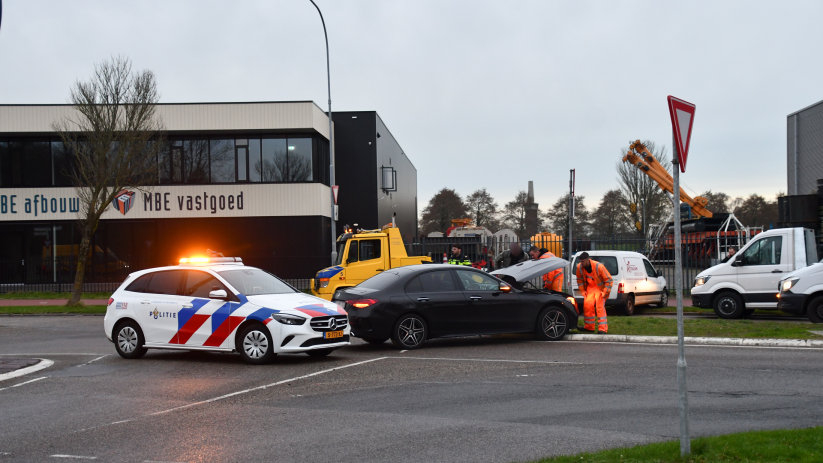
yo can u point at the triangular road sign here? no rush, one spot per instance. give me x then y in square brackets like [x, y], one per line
[334, 190]
[682, 114]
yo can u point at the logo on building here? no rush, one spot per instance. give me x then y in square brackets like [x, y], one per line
[123, 201]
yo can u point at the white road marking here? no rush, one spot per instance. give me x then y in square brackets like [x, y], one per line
[75, 457]
[260, 388]
[95, 359]
[26, 382]
[44, 363]
[448, 359]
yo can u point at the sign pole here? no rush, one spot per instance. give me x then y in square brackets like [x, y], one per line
[683, 403]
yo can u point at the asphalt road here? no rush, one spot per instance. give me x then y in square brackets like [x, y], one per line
[463, 400]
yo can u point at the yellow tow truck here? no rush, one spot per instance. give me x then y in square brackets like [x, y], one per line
[361, 254]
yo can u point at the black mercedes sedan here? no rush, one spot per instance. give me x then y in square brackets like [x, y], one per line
[418, 302]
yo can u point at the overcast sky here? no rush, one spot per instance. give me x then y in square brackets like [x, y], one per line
[479, 93]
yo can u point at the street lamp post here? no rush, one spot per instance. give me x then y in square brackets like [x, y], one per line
[331, 141]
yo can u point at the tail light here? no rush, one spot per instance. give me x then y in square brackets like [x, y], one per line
[111, 299]
[620, 288]
[361, 303]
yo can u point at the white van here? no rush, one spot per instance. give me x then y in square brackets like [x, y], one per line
[801, 292]
[636, 282]
[737, 287]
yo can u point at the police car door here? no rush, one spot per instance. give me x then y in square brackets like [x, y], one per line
[210, 320]
[160, 306]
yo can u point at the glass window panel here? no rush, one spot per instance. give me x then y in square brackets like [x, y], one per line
[169, 160]
[62, 159]
[299, 160]
[5, 165]
[195, 161]
[255, 165]
[273, 160]
[222, 161]
[242, 163]
[28, 161]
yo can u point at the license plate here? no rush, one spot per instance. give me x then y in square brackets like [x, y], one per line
[333, 334]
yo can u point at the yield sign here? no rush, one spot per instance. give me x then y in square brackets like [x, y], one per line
[682, 113]
[334, 189]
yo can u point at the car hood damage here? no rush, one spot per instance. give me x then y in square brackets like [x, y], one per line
[529, 270]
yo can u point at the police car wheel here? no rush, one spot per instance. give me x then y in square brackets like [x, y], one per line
[815, 310]
[319, 352]
[255, 344]
[128, 340]
[552, 324]
[409, 332]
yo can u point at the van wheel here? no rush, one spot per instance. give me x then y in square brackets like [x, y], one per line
[728, 305]
[815, 310]
[628, 309]
[664, 299]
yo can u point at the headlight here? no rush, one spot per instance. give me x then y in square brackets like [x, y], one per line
[787, 284]
[323, 282]
[700, 281]
[287, 319]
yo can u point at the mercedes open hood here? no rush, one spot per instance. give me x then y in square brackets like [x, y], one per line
[531, 269]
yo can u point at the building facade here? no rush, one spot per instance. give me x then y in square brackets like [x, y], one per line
[804, 156]
[243, 179]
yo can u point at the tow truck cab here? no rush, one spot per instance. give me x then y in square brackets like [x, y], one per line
[361, 254]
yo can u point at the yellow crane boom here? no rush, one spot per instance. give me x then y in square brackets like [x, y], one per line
[644, 160]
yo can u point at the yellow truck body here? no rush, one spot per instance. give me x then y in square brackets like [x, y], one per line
[361, 255]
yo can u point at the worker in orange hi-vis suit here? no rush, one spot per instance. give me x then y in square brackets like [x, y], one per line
[554, 279]
[595, 283]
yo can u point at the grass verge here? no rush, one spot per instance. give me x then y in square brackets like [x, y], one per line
[52, 309]
[791, 445]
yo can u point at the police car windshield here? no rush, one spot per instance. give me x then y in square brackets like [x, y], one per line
[253, 281]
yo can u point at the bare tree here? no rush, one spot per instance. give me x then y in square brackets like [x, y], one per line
[557, 217]
[641, 190]
[483, 209]
[514, 213]
[611, 218]
[113, 136]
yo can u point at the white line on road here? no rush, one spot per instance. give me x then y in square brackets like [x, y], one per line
[447, 359]
[44, 363]
[26, 382]
[260, 388]
[94, 360]
[75, 457]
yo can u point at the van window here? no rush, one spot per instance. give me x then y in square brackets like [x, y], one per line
[609, 261]
[764, 252]
[649, 269]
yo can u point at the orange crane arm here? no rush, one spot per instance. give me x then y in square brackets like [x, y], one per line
[640, 156]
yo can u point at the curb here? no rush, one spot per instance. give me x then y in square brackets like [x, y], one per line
[810, 343]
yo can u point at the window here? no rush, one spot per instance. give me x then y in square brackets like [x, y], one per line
[764, 252]
[273, 160]
[650, 271]
[252, 281]
[200, 284]
[166, 282]
[61, 163]
[433, 282]
[169, 162]
[609, 261]
[195, 161]
[254, 164]
[363, 250]
[475, 281]
[299, 166]
[222, 161]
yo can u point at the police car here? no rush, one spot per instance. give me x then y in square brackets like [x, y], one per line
[219, 304]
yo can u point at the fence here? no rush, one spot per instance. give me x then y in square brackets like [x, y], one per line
[699, 251]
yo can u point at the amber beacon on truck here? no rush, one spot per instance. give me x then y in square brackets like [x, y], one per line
[361, 254]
